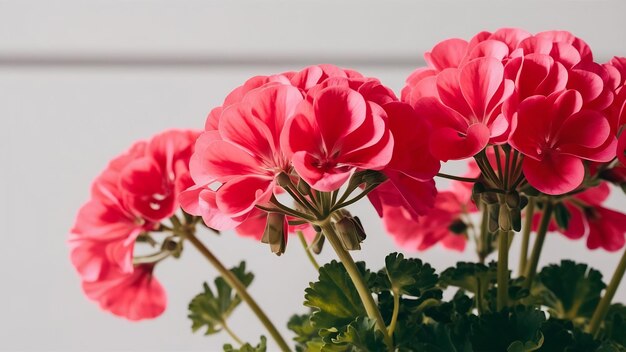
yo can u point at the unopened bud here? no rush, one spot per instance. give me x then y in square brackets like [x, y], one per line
[275, 233]
[318, 243]
[512, 200]
[350, 233]
[493, 211]
[504, 218]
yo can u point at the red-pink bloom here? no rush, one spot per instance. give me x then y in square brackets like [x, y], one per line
[410, 172]
[134, 296]
[617, 73]
[242, 157]
[466, 111]
[449, 208]
[136, 191]
[555, 136]
[603, 227]
[335, 132]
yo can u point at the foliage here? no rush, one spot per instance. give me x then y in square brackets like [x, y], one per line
[212, 309]
[426, 322]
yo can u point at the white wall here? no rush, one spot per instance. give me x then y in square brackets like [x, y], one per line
[80, 80]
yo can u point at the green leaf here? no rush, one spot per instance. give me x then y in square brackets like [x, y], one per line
[261, 347]
[471, 277]
[408, 276]
[360, 336]
[334, 299]
[574, 289]
[212, 309]
[611, 346]
[306, 333]
[513, 329]
[615, 324]
[561, 215]
[557, 335]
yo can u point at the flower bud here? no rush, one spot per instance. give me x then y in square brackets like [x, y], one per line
[318, 243]
[350, 233]
[275, 233]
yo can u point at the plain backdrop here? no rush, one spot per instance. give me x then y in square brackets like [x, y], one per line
[81, 80]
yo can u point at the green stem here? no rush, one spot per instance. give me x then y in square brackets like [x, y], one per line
[478, 297]
[498, 162]
[307, 250]
[483, 246]
[528, 224]
[531, 266]
[344, 204]
[396, 311]
[240, 288]
[503, 269]
[603, 306]
[457, 178]
[232, 334]
[364, 293]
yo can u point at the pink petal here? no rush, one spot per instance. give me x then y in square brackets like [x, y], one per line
[584, 130]
[239, 195]
[446, 143]
[323, 179]
[449, 53]
[212, 216]
[338, 112]
[479, 80]
[555, 174]
[223, 160]
[411, 155]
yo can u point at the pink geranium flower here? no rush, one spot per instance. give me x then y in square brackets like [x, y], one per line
[466, 112]
[617, 111]
[242, 157]
[137, 190]
[412, 167]
[450, 207]
[134, 296]
[555, 136]
[335, 132]
[621, 148]
[603, 227]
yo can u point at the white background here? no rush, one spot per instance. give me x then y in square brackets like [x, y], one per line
[81, 80]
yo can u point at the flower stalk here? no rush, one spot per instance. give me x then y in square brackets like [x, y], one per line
[528, 222]
[603, 306]
[239, 287]
[503, 269]
[364, 293]
[309, 255]
[531, 269]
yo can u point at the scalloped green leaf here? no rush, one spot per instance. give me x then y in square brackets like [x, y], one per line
[512, 329]
[307, 336]
[360, 336]
[407, 276]
[333, 298]
[212, 309]
[261, 347]
[574, 289]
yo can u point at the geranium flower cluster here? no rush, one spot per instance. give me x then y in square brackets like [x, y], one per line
[539, 121]
[317, 128]
[543, 94]
[129, 199]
